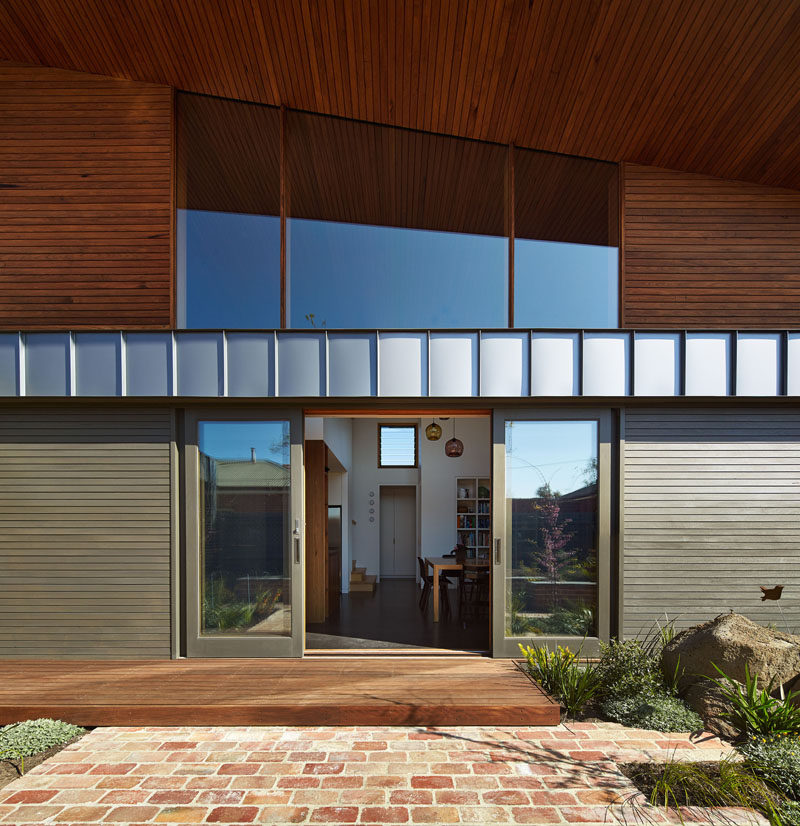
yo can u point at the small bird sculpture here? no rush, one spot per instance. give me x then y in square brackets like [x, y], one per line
[771, 593]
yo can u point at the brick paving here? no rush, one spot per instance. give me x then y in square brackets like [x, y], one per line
[563, 774]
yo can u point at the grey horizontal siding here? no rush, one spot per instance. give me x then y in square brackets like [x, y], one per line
[711, 503]
[85, 533]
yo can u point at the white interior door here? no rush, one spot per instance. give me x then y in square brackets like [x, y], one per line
[398, 516]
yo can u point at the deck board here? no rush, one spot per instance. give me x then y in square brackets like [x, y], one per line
[310, 691]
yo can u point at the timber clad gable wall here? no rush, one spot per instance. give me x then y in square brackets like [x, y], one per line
[702, 252]
[85, 201]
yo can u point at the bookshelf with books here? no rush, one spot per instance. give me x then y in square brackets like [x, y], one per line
[474, 516]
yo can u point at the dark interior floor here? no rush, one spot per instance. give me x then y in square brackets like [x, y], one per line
[391, 618]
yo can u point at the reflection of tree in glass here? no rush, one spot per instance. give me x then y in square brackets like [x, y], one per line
[553, 554]
[589, 471]
[312, 320]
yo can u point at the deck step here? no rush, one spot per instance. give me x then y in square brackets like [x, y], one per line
[365, 584]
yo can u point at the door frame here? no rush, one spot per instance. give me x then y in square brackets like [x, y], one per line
[503, 646]
[219, 645]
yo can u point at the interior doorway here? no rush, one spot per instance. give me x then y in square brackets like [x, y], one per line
[398, 530]
[399, 499]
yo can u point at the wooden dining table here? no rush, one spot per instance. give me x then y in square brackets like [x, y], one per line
[439, 564]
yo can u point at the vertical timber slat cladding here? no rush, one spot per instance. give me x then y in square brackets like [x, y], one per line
[704, 252]
[711, 512]
[85, 533]
[85, 201]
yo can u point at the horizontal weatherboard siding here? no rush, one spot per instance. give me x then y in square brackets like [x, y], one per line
[702, 252]
[711, 512]
[86, 206]
[85, 533]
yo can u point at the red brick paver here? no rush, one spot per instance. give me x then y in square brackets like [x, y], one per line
[360, 775]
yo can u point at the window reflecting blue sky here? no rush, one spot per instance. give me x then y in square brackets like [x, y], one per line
[355, 275]
[232, 269]
[565, 285]
[557, 453]
[234, 440]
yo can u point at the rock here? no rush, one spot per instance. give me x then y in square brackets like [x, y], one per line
[705, 698]
[732, 642]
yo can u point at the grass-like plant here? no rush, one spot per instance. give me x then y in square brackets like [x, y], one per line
[755, 711]
[561, 676]
[678, 784]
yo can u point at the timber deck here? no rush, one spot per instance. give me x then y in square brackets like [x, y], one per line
[311, 691]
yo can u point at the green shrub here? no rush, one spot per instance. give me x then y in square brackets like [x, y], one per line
[755, 711]
[627, 669]
[789, 813]
[560, 675]
[658, 711]
[777, 760]
[33, 736]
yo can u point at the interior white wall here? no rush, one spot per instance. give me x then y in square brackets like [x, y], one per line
[435, 480]
[439, 474]
[365, 478]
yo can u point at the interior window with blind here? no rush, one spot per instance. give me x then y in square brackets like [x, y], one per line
[397, 445]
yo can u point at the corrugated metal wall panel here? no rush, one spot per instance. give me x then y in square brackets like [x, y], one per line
[711, 512]
[85, 533]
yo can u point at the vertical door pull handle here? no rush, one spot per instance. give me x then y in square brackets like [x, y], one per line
[497, 554]
[297, 550]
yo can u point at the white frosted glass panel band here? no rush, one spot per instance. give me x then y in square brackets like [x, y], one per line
[9, 364]
[454, 364]
[148, 364]
[199, 364]
[656, 360]
[554, 364]
[504, 364]
[793, 365]
[708, 359]
[98, 364]
[47, 364]
[251, 364]
[606, 364]
[352, 365]
[758, 364]
[301, 365]
[402, 364]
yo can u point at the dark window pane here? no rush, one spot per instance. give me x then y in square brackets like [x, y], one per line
[392, 228]
[551, 494]
[228, 217]
[244, 527]
[397, 446]
[566, 242]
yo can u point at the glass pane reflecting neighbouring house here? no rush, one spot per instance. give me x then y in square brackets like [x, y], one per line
[552, 513]
[244, 470]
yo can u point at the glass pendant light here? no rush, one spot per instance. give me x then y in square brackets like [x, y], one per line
[433, 432]
[454, 447]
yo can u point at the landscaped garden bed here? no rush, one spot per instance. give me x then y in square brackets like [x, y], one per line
[27, 744]
[699, 679]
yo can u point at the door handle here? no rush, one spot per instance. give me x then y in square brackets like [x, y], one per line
[297, 550]
[497, 554]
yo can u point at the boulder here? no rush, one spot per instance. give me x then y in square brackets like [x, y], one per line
[732, 642]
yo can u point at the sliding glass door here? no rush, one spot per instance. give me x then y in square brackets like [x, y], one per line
[551, 559]
[244, 535]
